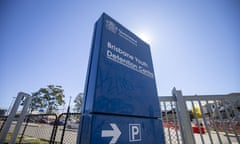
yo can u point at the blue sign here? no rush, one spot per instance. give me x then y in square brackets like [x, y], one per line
[111, 129]
[120, 103]
[120, 79]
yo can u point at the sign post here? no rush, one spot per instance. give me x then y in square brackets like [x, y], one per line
[120, 102]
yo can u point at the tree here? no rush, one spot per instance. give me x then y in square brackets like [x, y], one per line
[78, 102]
[49, 98]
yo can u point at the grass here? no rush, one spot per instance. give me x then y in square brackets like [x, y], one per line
[26, 140]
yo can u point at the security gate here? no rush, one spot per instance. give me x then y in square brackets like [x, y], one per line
[201, 119]
[198, 119]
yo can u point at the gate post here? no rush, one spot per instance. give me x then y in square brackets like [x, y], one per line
[184, 119]
[23, 114]
[11, 116]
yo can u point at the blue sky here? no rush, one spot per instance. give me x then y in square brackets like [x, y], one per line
[194, 44]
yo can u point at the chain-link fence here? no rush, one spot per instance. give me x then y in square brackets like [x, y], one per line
[38, 126]
[45, 128]
[66, 128]
[201, 119]
[2, 121]
[170, 122]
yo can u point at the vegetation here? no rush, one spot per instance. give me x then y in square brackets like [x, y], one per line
[78, 102]
[48, 98]
[26, 139]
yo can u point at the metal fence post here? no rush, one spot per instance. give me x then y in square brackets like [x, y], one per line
[184, 119]
[10, 118]
[27, 102]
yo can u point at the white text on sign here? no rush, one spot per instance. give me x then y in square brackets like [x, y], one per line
[135, 132]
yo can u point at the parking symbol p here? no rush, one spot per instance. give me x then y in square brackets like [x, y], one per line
[134, 132]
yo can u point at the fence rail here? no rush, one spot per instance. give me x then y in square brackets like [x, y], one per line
[46, 128]
[197, 119]
[201, 119]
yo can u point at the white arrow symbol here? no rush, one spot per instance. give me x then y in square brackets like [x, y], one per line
[115, 133]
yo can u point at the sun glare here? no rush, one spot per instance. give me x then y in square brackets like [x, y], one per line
[145, 36]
